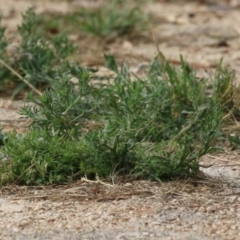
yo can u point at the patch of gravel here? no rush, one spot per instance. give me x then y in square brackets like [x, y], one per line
[177, 210]
[94, 235]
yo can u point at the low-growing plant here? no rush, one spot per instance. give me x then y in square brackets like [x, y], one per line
[226, 92]
[3, 53]
[40, 158]
[116, 17]
[36, 57]
[154, 128]
[64, 109]
[110, 18]
[3, 137]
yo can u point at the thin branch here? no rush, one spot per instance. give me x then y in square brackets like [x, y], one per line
[20, 77]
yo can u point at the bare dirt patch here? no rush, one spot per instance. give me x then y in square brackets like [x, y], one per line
[206, 208]
[199, 209]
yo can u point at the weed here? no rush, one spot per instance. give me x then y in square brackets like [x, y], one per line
[63, 110]
[225, 92]
[40, 158]
[153, 128]
[112, 18]
[37, 56]
[115, 18]
[156, 127]
[3, 53]
[3, 137]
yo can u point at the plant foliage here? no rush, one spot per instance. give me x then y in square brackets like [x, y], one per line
[154, 128]
[116, 17]
[36, 57]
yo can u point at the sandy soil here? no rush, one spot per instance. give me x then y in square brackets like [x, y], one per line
[205, 208]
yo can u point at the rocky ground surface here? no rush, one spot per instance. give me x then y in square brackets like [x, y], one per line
[207, 208]
[204, 208]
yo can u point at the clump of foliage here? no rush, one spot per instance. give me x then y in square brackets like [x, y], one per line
[154, 128]
[111, 18]
[116, 17]
[3, 49]
[36, 57]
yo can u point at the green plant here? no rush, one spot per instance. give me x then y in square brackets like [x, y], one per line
[115, 18]
[3, 137]
[37, 55]
[3, 53]
[109, 18]
[40, 158]
[226, 92]
[64, 110]
[234, 141]
[154, 128]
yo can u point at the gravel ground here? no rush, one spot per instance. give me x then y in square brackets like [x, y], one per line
[207, 208]
[109, 235]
